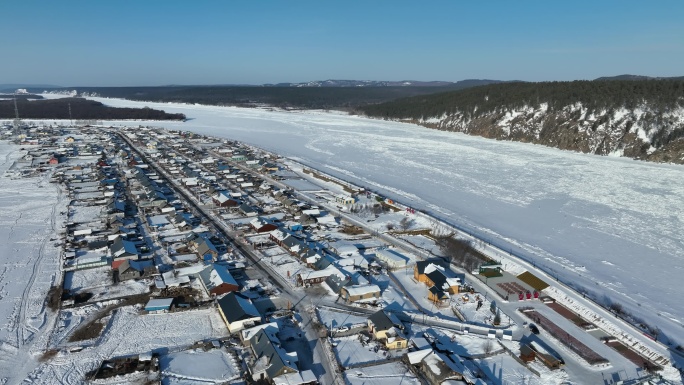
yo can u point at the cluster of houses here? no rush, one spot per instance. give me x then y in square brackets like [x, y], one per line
[276, 217]
[226, 176]
[102, 227]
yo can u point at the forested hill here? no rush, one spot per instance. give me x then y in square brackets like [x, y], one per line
[285, 96]
[640, 119]
[80, 109]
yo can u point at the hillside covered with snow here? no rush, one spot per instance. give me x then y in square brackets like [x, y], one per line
[636, 119]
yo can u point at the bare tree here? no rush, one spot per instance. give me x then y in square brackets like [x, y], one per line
[406, 223]
[455, 249]
[487, 347]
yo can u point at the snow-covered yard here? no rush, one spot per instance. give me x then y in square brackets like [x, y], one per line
[351, 352]
[98, 281]
[129, 332]
[392, 373]
[197, 366]
[503, 369]
[334, 319]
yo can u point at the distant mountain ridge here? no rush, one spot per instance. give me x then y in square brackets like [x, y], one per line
[383, 83]
[637, 77]
[10, 87]
[638, 119]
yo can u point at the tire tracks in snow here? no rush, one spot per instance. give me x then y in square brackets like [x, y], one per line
[25, 363]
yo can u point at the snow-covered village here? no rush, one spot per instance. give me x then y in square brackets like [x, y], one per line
[145, 255]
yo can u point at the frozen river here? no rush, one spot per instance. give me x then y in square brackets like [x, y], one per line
[611, 226]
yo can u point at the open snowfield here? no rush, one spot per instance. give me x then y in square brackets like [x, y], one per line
[29, 264]
[197, 366]
[129, 332]
[611, 226]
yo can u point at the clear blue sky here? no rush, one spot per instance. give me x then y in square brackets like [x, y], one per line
[145, 42]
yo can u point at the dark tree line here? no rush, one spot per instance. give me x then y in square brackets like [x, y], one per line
[663, 95]
[277, 96]
[80, 109]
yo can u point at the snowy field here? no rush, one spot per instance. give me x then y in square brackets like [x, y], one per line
[129, 332]
[503, 369]
[98, 281]
[591, 220]
[200, 367]
[29, 265]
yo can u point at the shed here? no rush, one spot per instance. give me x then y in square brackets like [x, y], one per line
[391, 258]
[156, 305]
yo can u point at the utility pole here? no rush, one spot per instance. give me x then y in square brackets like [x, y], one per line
[16, 115]
[70, 118]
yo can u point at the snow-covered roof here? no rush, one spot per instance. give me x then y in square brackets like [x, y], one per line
[215, 275]
[432, 267]
[170, 279]
[361, 290]
[221, 197]
[356, 260]
[303, 377]
[391, 257]
[328, 271]
[190, 270]
[416, 357]
[249, 333]
[158, 220]
[159, 303]
[326, 220]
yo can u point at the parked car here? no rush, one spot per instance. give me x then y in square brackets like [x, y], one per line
[342, 329]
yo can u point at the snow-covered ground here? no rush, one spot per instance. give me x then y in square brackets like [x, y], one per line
[29, 264]
[504, 369]
[98, 281]
[593, 221]
[387, 374]
[350, 351]
[197, 366]
[129, 332]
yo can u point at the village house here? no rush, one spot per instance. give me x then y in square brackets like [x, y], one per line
[261, 225]
[237, 312]
[271, 359]
[386, 328]
[269, 167]
[247, 210]
[206, 250]
[223, 199]
[439, 280]
[180, 223]
[217, 280]
[360, 292]
[122, 249]
[128, 269]
[345, 200]
[315, 277]
[391, 258]
[438, 368]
